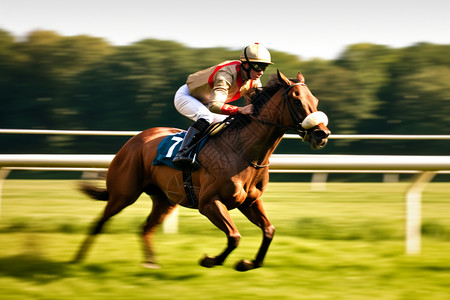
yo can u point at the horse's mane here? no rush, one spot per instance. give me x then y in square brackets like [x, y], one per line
[259, 99]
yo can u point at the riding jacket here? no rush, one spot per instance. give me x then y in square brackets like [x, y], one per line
[221, 84]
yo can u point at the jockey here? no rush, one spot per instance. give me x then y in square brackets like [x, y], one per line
[206, 93]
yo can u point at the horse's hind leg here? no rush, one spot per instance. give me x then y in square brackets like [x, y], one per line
[162, 207]
[256, 214]
[114, 206]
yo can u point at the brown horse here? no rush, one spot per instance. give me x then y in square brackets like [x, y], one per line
[233, 173]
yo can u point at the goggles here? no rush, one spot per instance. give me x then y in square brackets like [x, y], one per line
[258, 67]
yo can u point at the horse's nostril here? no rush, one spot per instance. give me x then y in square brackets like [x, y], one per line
[321, 134]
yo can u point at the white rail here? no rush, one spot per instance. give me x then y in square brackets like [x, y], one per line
[378, 137]
[360, 162]
[55, 160]
[277, 162]
[286, 136]
[69, 132]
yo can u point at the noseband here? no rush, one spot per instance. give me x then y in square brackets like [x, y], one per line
[294, 116]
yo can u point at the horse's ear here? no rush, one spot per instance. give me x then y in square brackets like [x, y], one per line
[283, 78]
[300, 77]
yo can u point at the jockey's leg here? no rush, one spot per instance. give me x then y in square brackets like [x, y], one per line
[182, 158]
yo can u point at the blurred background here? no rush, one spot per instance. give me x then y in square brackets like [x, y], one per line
[377, 67]
[50, 81]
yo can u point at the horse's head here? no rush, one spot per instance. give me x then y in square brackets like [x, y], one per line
[310, 123]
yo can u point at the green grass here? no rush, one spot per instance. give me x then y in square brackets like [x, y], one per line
[343, 243]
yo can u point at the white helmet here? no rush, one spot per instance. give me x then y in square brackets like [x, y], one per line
[256, 53]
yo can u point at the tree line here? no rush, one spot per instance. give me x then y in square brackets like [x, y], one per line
[50, 81]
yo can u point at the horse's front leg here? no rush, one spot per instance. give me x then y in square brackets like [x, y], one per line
[218, 214]
[256, 214]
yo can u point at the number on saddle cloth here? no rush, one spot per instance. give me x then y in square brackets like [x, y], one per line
[169, 147]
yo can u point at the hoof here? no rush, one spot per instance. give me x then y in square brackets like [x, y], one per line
[208, 262]
[150, 265]
[245, 265]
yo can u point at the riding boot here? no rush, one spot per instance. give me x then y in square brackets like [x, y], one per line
[182, 158]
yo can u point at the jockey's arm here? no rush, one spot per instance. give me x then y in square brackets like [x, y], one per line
[248, 96]
[218, 98]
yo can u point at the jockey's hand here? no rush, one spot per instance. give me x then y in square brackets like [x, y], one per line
[246, 110]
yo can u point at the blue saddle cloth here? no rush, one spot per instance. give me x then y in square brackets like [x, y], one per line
[169, 147]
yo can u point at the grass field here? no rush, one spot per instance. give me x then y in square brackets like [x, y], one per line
[343, 243]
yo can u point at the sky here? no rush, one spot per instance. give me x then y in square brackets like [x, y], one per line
[309, 29]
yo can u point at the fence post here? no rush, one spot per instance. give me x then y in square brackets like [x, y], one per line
[319, 181]
[414, 212]
[3, 174]
[170, 225]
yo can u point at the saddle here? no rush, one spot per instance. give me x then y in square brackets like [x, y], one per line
[169, 146]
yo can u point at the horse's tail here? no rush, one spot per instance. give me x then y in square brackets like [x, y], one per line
[94, 192]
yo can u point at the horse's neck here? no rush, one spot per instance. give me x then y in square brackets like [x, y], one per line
[259, 141]
[262, 138]
[255, 141]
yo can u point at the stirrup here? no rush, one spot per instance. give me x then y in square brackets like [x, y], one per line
[180, 160]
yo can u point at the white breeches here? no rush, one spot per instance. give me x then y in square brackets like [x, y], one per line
[192, 108]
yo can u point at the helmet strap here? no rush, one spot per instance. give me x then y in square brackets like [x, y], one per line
[247, 70]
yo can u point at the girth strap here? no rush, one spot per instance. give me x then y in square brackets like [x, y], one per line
[189, 187]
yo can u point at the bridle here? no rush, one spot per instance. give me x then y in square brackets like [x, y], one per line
[302, 132]
[299, 129]
[303, 125]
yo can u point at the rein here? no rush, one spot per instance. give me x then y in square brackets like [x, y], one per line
[302, 132]
[301, 127]
[298, 129]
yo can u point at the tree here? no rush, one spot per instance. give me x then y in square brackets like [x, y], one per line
[338, 97]
[422, 102]
[369, 64]
[81, 82]
[417, 87]
[133, 88]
